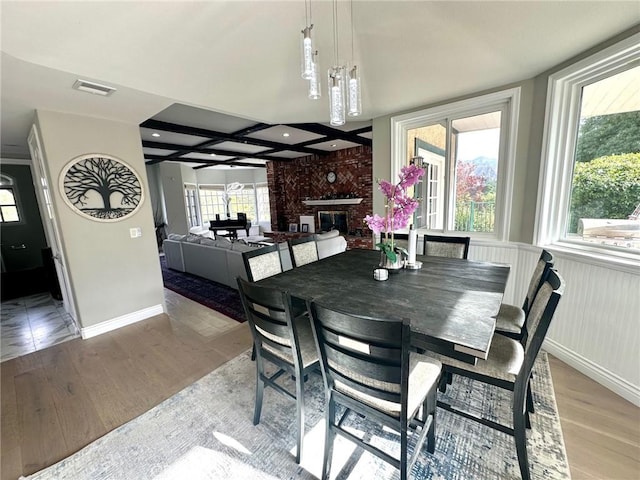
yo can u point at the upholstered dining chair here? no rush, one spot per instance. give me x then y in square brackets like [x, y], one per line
[441, 246]
[510, 320]
[282, 338]
[368, 369]
[303, 250]
[262, 262]
[509, 365]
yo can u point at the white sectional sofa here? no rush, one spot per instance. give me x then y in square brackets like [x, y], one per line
[221, 260]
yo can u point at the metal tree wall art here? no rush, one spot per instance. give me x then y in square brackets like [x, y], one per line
[101, 187]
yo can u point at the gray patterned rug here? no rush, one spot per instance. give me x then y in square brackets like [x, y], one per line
[206, 432]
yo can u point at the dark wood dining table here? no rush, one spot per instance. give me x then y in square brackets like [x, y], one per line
[450, 302]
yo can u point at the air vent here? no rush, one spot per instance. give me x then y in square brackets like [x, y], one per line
[95, 88]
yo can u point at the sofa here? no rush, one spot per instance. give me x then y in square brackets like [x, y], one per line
[221, 260]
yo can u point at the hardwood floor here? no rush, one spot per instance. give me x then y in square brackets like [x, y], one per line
[57, 400]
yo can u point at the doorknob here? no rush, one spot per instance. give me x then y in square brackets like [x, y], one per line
[22, 246]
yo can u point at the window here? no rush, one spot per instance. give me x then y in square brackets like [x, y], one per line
[8, 202]
[243, 201]
[589, 195]
[250, 199]
[262, 199]
[212, 202]
[467, 150]
[191, 205]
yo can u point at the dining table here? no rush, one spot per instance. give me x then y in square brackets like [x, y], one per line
[450, 302]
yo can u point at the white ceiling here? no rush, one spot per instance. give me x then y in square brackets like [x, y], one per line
[242, 58]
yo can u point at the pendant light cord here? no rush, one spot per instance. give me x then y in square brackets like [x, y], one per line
[351, 3]
[335, 32]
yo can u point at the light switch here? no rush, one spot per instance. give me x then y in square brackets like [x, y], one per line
[135, 232]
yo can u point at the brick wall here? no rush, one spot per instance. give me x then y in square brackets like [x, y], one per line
[305, 178]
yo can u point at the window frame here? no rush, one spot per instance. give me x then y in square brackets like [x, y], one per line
[562, 116]
[7, 182]
[508, 101]
[211, 187]
[188, 187]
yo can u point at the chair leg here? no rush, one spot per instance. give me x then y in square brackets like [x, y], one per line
[431, 410]
[520, 433]
[259, 394]
[253, 353]
[299, 416]
[329, 437]
[404, 446]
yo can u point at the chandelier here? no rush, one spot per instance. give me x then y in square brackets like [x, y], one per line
[344, 84]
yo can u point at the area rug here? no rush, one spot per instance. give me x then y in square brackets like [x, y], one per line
[211, 294]
[206, 432]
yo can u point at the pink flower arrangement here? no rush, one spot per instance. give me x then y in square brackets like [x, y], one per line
[398, 209]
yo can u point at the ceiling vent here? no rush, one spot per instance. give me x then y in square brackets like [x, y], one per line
[95, 88]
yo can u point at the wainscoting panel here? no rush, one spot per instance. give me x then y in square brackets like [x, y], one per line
[596, 328]
[504, 253]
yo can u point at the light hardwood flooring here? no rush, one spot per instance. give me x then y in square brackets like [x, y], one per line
[57, 400]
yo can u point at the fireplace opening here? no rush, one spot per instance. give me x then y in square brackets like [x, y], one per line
[333, 220]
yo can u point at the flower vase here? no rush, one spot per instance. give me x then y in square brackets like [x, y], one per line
[393, 267]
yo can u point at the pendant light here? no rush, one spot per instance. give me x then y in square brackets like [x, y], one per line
[336, 79]
[307, 45]
[314, 80]
[336, 96]
[354, 98]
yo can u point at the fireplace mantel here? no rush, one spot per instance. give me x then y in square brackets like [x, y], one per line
[335, 201]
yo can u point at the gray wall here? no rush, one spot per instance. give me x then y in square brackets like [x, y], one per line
[111, 274]
[522, 218]
[29, 231]
[528, 150]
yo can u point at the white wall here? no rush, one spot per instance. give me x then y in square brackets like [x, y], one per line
[173, 189]
[115, 279]
[595, 328]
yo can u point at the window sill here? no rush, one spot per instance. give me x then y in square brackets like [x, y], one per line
[624, 262]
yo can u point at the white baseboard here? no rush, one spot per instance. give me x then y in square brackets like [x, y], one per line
[601, 375]
[118, 322]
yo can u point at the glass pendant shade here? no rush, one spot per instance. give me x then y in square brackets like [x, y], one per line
[354, 98]
[314, 80]
[336, 96]
[307, 53]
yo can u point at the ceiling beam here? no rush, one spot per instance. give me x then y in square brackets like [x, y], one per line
[334, 133]
[154, 159]
[183, 150]
[213, 135]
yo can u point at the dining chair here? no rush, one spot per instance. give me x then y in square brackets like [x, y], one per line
[368, 369]
[509, 364]
[283, 338]
[510, 320]
[303, 250]
[262, 262]
[441, 246]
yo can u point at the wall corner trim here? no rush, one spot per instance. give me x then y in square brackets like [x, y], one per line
[601, 375]
[122, 321]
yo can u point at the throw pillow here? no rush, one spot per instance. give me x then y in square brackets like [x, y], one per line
[176, 236]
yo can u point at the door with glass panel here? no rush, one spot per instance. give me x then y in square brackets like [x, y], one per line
[460, 156]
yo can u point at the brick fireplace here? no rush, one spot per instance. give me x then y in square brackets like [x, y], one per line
[300, 187]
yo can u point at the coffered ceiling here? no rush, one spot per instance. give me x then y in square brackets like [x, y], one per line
[204, 139]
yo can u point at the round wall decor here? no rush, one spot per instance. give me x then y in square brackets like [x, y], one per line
[101, 187]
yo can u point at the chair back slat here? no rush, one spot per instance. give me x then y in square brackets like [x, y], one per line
[268, 313]
[368, 355]
[303, 250]
[442, 246]
[539, 317]
[545, 262]
[262, 263]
